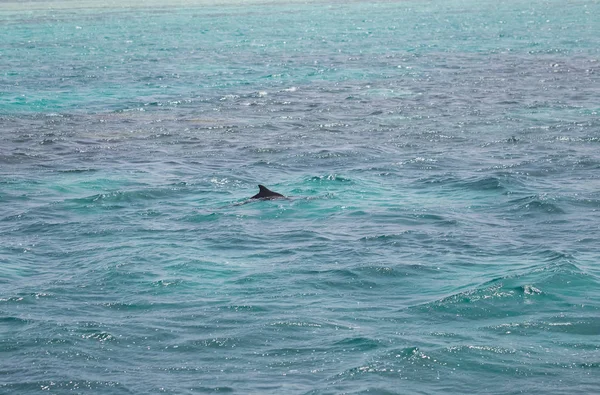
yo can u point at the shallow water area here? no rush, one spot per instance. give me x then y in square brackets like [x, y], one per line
[440, 161]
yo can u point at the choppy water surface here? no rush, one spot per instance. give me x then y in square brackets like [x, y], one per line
[442, 232]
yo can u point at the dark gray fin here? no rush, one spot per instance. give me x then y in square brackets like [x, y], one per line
[266, 193]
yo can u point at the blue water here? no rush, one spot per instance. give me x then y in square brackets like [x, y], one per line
[442, 233]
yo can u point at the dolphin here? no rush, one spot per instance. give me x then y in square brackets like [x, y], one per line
[266, 194]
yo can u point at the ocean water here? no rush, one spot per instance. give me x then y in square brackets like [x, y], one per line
[442, 231]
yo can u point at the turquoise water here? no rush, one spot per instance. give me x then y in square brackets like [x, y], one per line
[442, 232]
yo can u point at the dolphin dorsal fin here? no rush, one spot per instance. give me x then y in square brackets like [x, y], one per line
[266, 193]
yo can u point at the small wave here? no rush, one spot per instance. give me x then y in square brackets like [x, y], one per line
[167, 283]
[387, 238]
[245, 308]
[100, 336]
[224, 390]
[131, 196]
[420, 162]
[586, 326]
[401, 270]
[123, 306]
[496, 290]
[435, 219]
[480, 348]
[330, 154]
[86, 170]
[360, 344]
[388, 93]
[66, 385]
[484, 184]
[502, 296]
[590, 365]
[585, 201]
[329, 178]
[542, 206]
[403, 237]
[494, 184]
[26, 298]
[209, 342]
[564, 260]
[296, 324]
[201, 217]
[384, 271]
[340, 279]
[537, 204]
[14, 321]
[394, 362]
